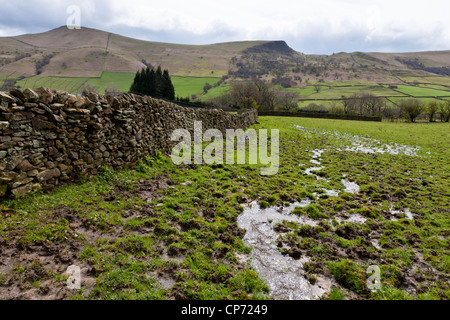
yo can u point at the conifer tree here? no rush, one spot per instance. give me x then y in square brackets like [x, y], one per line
[168, 88]
[157, 84]
[152, 80]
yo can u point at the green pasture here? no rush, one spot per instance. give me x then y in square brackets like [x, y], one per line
[71, 85]
[444, 81]
[216, 92]
[397, 100]
[422, 92]
[188, 86]
[115, 81]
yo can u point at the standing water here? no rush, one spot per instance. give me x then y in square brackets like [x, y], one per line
[283, 274]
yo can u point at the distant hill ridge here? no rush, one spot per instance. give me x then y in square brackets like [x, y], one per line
[89, 52]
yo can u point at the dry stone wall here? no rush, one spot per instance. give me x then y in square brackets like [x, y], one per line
[51, 137]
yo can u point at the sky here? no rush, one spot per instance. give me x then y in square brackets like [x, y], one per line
[311, 27]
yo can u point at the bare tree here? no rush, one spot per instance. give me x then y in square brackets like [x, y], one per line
[411, 109]
[317, 88]
[372, 104]
[350, 104]
[444, 110]
[364, 104]
[256, 94]
[286, 100]
[431, 109]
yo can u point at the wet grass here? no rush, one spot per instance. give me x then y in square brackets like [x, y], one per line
[170, 232]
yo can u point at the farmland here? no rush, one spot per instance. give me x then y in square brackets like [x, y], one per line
[329, 94]
[114, 81]
[185, 242]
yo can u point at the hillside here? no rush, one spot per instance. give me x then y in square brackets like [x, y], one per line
[88, 52]
[72, 59]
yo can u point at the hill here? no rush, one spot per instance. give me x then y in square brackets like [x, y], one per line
[72, 59]
[89, 52]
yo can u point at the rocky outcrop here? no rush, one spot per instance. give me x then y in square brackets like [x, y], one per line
[51, 137]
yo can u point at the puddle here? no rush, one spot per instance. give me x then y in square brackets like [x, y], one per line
[350, 187]
[301, 128]
[355, 143]
[409, 215]
[310, 170]
[376, 244]
[399, 213]
[365, 146]
[316, 159]
[283, 274]
[355, 218]
[331, 193]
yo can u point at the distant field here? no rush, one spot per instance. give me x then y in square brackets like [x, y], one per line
[188, 86]
[338, 92]
[430, 80]
[216, 92]
[434, 86]
[308, 90]
[120, 80]
[71, 85]
[397, 100]
[360, 82]
[325, 103]
[422, 92]
[329, 103]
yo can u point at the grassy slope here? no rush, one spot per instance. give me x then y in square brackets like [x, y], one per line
[89, 52]
[418, 91]
[186, 233]
[188, 86]
[184, 86]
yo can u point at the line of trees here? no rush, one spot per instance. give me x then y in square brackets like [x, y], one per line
[364, 104]
[40, 64]
[157, 84]
[261, 95]
[411, 109]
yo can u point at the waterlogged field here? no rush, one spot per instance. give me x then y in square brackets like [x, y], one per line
[348, 196]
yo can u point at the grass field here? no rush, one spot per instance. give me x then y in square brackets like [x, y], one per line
[216, 92]
[308, 90]
[421, 92]
[120, 81]
[71, 85]
[329, 94]
[424, 100]
[184, 241]
[445, 81]
[188, 86]
[338, 92]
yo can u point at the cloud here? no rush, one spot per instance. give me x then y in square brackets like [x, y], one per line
[321, 26]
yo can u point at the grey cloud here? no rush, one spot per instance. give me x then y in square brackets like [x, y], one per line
[312, 36]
